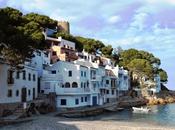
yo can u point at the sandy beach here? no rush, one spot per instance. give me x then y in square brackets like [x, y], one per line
[49, 122]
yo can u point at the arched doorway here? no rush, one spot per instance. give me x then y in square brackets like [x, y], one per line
[74, 85]
[67, 85]
[23, 95]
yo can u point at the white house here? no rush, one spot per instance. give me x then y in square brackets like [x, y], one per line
[39, 61]
[70, 82]
[17, 86]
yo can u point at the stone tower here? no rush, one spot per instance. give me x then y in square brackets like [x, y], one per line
[63, 26]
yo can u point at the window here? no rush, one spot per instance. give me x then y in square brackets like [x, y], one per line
[29, 77]
[9, 93]
[67, 85]
[107, 81]
[53, 72]
[107, 91]
[81, 84]
[84, 74]
[70, 73]
[76, 101]
[10, 79]
[82, 99]
[63, 102]
[74, 85]
[112, 92]
[55, 43]
[34, 78]
[17, 93]
[54, 53]
[29, 92]
[85, 99]
[24, 75]
[46, 54]
[84, 85]
[17, 75]
[81, 73]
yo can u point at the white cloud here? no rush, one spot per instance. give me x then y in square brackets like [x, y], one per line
[114, 19]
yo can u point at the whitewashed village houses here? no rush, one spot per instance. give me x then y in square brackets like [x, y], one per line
[17, 86]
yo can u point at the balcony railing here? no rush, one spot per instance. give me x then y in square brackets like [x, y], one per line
[72, 90]
[53, 77]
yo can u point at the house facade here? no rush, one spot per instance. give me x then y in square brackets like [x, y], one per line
[61, 49]
[17, 86]
[70, 83]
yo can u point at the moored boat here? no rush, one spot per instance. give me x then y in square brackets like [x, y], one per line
[141, 109]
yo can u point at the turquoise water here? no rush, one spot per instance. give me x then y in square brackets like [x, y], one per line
[161, 115]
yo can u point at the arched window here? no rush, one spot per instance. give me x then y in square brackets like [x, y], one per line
[74, 85]
[67, 85]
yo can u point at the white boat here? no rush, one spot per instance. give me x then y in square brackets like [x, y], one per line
[141, 109]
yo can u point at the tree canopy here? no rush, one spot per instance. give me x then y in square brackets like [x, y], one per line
[142, 61]
[21, 34]
[163, 75]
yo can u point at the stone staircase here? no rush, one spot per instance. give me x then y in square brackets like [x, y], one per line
[18, 112]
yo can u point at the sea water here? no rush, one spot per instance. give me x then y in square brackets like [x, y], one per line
[163, 115]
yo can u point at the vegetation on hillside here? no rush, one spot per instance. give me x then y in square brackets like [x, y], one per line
[20, 35]
[142, 61]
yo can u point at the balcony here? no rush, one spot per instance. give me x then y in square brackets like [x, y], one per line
[72, 91]
[52, 77]
[10, 81]
[96, 78]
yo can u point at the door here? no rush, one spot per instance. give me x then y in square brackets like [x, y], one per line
[94, 100]
[23, 95]
[33, 93]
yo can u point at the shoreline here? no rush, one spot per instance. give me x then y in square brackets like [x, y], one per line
[49, 122]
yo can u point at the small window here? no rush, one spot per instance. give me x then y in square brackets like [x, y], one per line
[112, 92]
[17, 75]
[84, 74]
[70, 73]
[29, 92]
[81, 73]
[63, 102]
[54, 53]
[17, 93]
[107, 91]
[82, 99]
[34, 78]
[24, 75]
[107, 81]
[67, 85]
[9, 93]
[29, 77]
[53, 72]
[76, 101]
[84, 85]
[85, 99]
[81, 84]
[46, 54]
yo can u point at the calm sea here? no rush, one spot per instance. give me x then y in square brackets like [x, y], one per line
[161, 115]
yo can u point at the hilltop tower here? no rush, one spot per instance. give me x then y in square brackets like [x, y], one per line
[63, 26]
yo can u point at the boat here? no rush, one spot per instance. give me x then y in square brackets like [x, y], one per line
[141, 109]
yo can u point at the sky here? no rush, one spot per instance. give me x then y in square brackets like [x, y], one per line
[142, 24]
